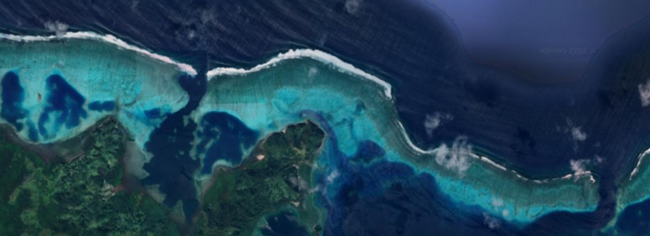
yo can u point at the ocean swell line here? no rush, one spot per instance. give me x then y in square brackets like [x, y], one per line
[342, 66]
[638, 163]
[317, 55]
[104, 38]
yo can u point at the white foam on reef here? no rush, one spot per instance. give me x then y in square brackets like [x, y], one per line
[267, 103]
[104, 38]
[634, 190]
[638, 163]
[306, 53]
[339, 64]
[487, 160]
[99, 72]
[493, 163]
[259, 110]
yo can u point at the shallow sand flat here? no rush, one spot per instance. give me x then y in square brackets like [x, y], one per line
[357, 109]
[356, 105]
[99, 71]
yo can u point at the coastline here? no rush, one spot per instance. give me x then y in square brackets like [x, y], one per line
[291, 54]
[268, 100]
[342, 66]
[103, 38]
[455, 184]
[305, 53]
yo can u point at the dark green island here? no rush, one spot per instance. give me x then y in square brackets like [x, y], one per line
[277, 178]
[79, 187]
[78, 195]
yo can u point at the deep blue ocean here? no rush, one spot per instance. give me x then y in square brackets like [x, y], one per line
[519, 114]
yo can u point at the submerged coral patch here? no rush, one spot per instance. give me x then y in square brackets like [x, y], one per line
[363, 119]
[62, 86]
[223, 138]
[183, 139]
[64, 106]
[13, 95]
[106, 106]
[153, 113]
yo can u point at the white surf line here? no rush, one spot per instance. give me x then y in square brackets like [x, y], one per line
[568, 176]
[638, 163]
[485, 159]
[493, 163]
[349, 68]
[104, 38]
[318, 55]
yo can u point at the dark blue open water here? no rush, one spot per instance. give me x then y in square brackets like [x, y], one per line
[550, 40]
[171, 166]
[521, 121]
[635, 219]
[230, 138]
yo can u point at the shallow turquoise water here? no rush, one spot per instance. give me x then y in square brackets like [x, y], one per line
[95, 71]
[144, 92]
[357, 110]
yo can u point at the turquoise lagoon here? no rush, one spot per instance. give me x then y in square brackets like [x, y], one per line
[270, 97]
[266, 99]
[99, 72]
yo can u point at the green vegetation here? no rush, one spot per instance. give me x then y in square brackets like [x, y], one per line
[75, 198]
[15, 166]
[82, 196]
[240, 197]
